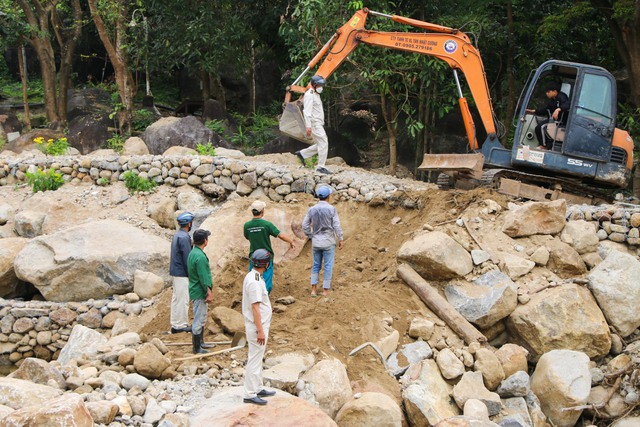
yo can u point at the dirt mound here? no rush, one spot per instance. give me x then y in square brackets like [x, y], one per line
[365, 288]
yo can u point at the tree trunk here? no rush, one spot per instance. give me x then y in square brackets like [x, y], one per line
[205, 81]
[116, 49]
[252, 80]
[38, 18]
[511, 81]
[626, 34]
[67, 43]
[218, 91]
[389, 119]
[636, 181]
[23, 78]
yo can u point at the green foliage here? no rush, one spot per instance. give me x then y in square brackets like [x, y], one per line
[142, 119]
[206, 150]
[3, 141]
[254, 131]
[116, 142]
[217, 126]
[136, 183]
[44, 181]
[629, 119]
[103, 181]
[52, 147]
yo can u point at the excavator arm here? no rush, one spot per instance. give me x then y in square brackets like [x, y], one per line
[448, 44]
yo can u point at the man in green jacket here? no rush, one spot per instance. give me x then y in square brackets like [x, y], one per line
[200, 285]
[258, 232]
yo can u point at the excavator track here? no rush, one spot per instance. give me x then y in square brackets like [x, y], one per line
[541, 187]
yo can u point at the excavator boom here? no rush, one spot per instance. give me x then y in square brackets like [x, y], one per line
[448, 44]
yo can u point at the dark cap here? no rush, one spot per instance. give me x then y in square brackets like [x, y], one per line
[200, 235]
[552, 86]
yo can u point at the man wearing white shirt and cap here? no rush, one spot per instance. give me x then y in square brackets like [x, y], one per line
[314, 122]
[256, 310]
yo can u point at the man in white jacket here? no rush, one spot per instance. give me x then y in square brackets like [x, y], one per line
[314, 122]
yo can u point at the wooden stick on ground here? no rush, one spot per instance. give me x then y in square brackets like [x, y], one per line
[200, 356]
[440, 306]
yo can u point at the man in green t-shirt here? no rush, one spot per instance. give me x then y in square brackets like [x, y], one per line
[200, 285]
[259, 231]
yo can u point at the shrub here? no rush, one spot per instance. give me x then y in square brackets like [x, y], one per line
[103, 181]
[43, 181]
[142, 119]
[116, 142]
[136, 183]
[52, 147]
[206, 150]
[217, 126]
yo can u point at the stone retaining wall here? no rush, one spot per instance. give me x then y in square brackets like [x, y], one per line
[619, 223]
[217, 176]
[42, 328]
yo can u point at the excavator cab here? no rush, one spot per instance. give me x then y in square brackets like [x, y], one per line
[585, 145]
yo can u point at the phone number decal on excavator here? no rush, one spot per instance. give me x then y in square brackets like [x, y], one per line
[414, 44]
[528, 155]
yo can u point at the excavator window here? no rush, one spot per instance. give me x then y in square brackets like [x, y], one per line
[594, 100]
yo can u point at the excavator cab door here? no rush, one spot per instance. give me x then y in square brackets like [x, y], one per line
[591, 123]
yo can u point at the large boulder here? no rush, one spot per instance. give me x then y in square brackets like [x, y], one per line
[93, 260]
[90, 132]
[563, 317]
[9, 284]
[87, 101]
[562, 380]
[134, 146]
[231, 243]
[185, 132]
[225, 409]
[39, 372]
[16, 393]
[330, 388]
[426, 395]
[471, 386]
[535, 218]
[150, 362]
[82, 341]
[370, 409]
[436, 256]
[615, 285]
[490, 298]
[284, 371]
[230, 320]
[66, 410]
[581, 235]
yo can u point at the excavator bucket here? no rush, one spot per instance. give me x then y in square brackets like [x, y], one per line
[453, 162]
[292, 122]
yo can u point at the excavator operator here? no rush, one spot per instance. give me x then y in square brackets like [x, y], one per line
[556, 109]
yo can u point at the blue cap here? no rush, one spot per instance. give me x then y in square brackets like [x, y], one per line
[185, 218]
[323, 192]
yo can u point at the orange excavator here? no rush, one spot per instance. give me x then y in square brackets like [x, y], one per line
[587, 155]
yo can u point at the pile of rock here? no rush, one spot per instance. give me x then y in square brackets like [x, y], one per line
[619, 223]
[42, 328]
[217, 177]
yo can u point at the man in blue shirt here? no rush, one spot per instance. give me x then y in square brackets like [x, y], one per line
[180, 249]
[321, 224]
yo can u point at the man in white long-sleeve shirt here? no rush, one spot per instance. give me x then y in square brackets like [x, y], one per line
[322, 225]
[314, 122]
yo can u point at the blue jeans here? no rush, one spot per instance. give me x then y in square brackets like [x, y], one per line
[199, 316]
[267, 276]
[323, 256]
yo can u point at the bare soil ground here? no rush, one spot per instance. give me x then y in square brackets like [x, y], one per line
[365, 287]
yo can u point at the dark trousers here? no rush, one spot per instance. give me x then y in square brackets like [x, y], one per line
[549, 141]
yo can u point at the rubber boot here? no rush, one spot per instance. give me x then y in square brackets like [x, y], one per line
[204, 344]
[195, 340]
